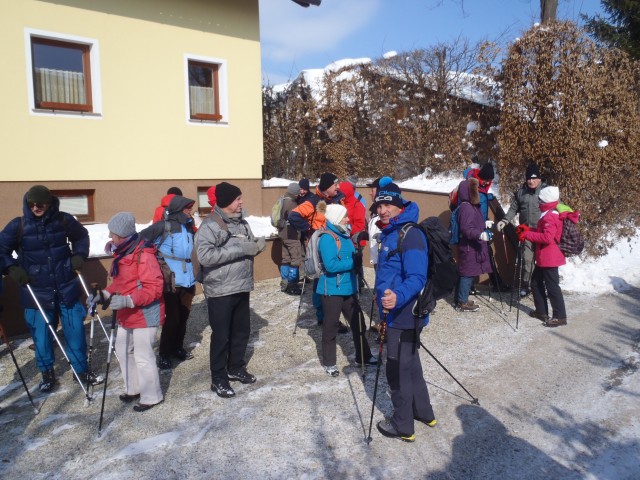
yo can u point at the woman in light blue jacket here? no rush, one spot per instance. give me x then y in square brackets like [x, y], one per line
[337, 287]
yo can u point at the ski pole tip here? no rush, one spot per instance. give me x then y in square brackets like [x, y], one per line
[368, 440]
[476, 401]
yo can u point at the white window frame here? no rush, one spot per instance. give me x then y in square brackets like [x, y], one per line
[223, 91]
[94, 59]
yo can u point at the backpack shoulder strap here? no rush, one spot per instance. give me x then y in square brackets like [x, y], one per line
[401, 234]
[218, 219]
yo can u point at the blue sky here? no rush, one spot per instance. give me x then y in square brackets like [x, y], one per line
[295, 38]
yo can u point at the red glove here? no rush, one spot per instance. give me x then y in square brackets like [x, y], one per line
[521, 231]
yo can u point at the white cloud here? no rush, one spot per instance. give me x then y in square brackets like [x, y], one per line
[288, 30]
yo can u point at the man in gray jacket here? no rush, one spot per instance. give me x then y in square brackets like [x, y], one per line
[525, 203]
[225, 247]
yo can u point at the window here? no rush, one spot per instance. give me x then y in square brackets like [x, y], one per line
[206, 90]
[63, 73]
[203, 202]
[78, 203]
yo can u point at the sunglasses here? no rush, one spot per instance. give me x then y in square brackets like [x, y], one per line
[37, 205]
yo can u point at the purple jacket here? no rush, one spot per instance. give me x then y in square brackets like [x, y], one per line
[473, 253]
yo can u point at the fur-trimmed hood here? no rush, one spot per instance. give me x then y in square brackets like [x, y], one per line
[468, 191]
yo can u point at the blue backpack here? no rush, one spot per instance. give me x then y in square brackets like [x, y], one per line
[454, 226]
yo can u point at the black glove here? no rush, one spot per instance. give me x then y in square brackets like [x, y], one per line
[357, 261]
[77, 261]
[19, 274]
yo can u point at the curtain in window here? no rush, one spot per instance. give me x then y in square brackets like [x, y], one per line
[60, 86]
[201, 99]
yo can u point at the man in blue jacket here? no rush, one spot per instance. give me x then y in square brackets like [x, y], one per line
[51, 246]
[400, 276]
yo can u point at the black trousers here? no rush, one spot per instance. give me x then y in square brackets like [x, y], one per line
[332, 306]
[409, 393]
[545, 283]
[177, 308]
[229, 317]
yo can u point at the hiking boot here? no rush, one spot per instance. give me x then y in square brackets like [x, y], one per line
[48, 382]
[142, 407]
[283, 285]
[182, 355]
[164, 362]
[343, 328]
[222, 388]
[92, 378]
[372, 361]
[386, 429]
[555, 322]
[293, 289]
[467, 307]
[428, 423]
[332, 371]
[540, 316]
[524, 292]
[241, 376]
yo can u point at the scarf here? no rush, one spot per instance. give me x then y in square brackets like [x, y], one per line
[122, 250]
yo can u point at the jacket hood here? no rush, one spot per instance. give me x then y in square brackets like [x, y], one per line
[468, 191]
[347, 189]
[179, 203]
[53, 208]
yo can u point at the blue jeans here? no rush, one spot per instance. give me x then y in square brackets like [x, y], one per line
[72, 319]
[464, 287]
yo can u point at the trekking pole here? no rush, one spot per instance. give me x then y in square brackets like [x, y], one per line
[304, 282]
[15, 362]
[515, 273]
[106, 376]
[95, 313]
[475, 400]
[383, 331]
[496, 276]
[361, 328]
[55, 336]
[520, 254]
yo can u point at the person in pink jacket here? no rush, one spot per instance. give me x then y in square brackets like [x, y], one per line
[545, 280]
[136, 295]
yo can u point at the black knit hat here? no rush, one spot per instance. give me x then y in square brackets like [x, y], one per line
[39, 194]
[532, 172]
[486, 172]
[226, 194]
[326, 180]
[304, 184]
[389, 192]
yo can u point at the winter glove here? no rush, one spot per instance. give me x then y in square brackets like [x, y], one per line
[357, 261]
[99, 297]
[501, 224]
[250, 248]
[19, 274]
[77, 261]
[484, 236]
[488, 224]
[262, 244]
[119, 302]
[521, 231]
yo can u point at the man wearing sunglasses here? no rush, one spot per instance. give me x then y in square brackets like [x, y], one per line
[51, 246]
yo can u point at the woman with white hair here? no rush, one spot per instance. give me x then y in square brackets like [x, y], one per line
[337, 287]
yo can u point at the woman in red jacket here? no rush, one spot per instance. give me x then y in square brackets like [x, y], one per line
[136, 294]
[545, 280]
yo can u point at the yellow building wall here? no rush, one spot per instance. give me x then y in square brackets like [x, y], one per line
[143, 132]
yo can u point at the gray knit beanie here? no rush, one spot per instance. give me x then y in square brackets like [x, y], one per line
[122, 224]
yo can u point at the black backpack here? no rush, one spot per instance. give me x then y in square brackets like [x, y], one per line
[442, 276]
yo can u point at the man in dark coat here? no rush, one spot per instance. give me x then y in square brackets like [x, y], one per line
[48, 265]
[525, 204]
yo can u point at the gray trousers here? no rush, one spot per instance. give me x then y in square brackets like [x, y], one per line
[528, 256]
[409, 393]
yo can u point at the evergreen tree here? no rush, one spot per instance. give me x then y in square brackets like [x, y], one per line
[621, 28]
